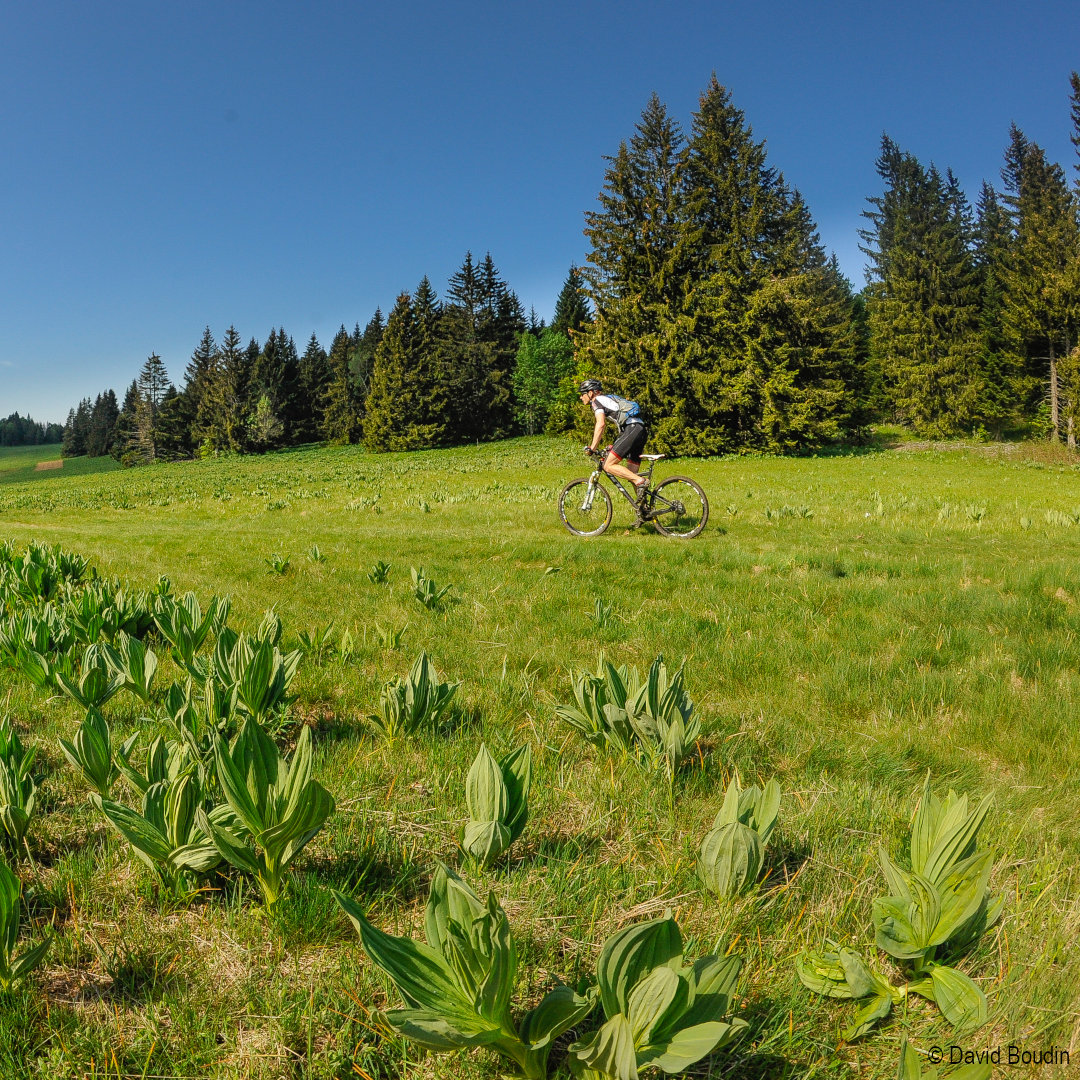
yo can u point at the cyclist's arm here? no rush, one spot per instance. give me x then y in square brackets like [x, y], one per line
[598, 429]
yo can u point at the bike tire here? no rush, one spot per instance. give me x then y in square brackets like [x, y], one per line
[683, 491]
[580, 523]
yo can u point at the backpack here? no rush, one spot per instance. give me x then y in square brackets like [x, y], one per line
[627, 411]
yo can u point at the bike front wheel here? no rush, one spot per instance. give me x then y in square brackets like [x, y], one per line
[679, 508]
[583, 511]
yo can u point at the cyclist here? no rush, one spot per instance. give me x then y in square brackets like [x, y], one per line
[624, 458]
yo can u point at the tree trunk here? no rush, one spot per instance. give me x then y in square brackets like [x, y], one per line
[1055, 404]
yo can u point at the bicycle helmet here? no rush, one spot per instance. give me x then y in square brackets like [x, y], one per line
[589, 385]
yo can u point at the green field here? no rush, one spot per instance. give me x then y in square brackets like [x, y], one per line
[20, 463]
[848, 623]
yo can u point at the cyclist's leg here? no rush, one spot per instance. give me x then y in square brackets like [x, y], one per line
[624, 457]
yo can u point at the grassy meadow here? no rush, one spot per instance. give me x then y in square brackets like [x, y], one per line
[20, 463]
[848, 623]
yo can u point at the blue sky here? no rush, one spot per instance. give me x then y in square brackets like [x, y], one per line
[168, 166]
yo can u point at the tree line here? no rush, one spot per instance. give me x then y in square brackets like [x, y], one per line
[16, 430]
[707, 296]
[434, 373]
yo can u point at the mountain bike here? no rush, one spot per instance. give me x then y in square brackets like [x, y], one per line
[676, 506]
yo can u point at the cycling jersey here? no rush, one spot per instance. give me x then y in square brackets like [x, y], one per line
[619, 409]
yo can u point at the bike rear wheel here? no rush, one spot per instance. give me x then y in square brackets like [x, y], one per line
[584, 514]
[679, 508]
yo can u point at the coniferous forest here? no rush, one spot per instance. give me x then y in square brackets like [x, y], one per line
[707, 296]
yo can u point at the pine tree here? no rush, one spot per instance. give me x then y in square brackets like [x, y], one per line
[362, 357]
[1041, 308]
[1004, 388]
[125, 427]
[341, 416]
[153, 384]
[222, 421]
[102, 424]
[198, 377]
[638, 272]
[314, 377]
[571, 307]
[923, 299]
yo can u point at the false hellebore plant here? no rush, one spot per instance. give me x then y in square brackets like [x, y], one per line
[165, 835]
[937, 909]
[497, 793]
[11, 969]
[649, 718]
[18, 792]
[418, 701]
[278, 807]
[660, 1013]
[90, 752]
[458, 985]
[733, 851]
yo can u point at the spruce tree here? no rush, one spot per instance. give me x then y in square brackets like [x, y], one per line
[923, 298]
[102, 424]
[571, 307]
[638, 273]
[198, 376]
[222, 420]
[153, 385]
[362, 357]
[715, 307]
[289, 405]
[1041, 308]
[480, 327]
[1074, 107]
[389, 423]
[125, 427]
[76, 430]
[314, 376]
[1004, 387]
[341, 416]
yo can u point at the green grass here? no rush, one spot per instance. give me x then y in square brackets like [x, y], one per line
[925, 616]
[19, 463]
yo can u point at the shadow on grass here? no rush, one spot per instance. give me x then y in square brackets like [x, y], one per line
[553, 847]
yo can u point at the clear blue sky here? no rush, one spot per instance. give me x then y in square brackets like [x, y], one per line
[168, 166]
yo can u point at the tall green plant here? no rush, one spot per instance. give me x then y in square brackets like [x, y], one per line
[661, 1013]
[94, 687]
[184, 625]
[650, 718]
[415, 702]
[497, 794]
[458, 986]
[733, 851]
[18, 792]
[935, 911]
[11, 968]
[278, 807]
[90, 752]
[165, 835]
[133, 663]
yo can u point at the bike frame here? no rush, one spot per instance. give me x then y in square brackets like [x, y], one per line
[645, 511]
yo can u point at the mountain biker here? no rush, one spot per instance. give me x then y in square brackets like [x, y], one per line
[624, 458]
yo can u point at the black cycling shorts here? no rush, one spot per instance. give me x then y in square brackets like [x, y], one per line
[630, 443]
